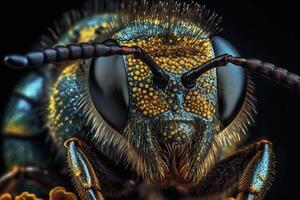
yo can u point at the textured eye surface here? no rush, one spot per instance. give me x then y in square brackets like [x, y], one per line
[109, 91]
[232, 83]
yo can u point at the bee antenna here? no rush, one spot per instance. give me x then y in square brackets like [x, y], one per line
[269, 70]
[85, 51]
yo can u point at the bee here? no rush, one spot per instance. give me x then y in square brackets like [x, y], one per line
[138, 94]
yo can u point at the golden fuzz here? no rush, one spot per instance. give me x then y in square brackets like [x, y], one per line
[174, 54]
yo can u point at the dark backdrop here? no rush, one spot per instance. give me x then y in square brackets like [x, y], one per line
[259, 29]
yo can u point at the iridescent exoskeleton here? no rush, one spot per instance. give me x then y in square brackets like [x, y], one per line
[138, 95]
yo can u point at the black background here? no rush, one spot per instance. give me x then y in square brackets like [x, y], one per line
[259, 29]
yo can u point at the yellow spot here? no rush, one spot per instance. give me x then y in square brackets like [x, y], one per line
[86, 34]
[104, 25]
[135, 89]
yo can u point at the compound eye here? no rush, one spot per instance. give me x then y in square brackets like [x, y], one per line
[232, 83]
[109, 90]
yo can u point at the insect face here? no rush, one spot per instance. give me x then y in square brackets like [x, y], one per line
[174, 113]
[159, 123]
